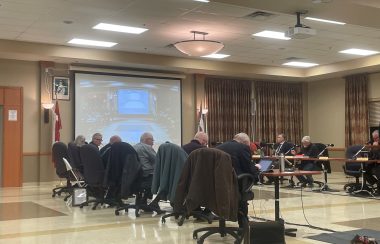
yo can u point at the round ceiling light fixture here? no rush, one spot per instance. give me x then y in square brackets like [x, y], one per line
[199, 47]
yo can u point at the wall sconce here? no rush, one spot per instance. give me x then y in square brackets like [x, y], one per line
[204, 111]
[47, 107]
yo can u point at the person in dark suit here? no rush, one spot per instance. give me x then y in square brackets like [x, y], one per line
[310, 150]
[200, 140]
[240, 153]
[372, 174]
[97, 139]
[105, 151]
[282, 146]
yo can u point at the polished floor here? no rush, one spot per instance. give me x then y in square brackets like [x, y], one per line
[30, 215]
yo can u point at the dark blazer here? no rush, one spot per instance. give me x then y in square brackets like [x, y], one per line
[285, 148]
[311, 151]
[240, 155]
[170, 160]
[193, 145]
[123, 167]
[208, 180]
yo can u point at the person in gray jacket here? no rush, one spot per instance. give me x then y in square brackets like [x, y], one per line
[146, 153]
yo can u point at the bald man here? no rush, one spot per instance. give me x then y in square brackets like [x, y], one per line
[104, 151]
[200, 140]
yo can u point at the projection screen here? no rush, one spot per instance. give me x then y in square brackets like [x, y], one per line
[128, 106]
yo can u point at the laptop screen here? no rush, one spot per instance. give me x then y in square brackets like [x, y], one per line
[266, 164]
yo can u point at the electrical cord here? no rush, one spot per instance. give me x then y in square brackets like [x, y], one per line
[307, 221]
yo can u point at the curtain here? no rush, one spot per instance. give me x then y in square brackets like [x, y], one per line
[229, 108]
[356, 109]
[278, 110]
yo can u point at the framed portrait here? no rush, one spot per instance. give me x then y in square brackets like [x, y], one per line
[61, 88]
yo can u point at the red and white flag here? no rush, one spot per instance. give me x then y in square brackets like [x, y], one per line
[201, 124]
[58, 124]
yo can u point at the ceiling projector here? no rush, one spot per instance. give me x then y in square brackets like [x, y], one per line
[300, 31]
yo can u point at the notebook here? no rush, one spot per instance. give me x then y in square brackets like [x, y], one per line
[266, 164]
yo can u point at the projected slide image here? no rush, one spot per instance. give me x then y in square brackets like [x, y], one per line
[128, 106]
[131, 102]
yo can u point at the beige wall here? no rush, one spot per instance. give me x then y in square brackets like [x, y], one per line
[374, 86]
[25, 74]
[325, 111]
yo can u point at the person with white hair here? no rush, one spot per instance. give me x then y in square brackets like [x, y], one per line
[96, 140]
[240, 153]
[80, 140]
[308, 149]
[146, 153]
[200, 140]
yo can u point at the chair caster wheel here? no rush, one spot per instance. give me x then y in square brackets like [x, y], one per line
[117, 213]
[163, 221]
[80, 206]
[93, 208]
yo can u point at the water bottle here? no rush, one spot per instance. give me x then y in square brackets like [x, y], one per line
[282, 162]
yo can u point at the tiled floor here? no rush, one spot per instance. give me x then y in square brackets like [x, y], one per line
[30, 215]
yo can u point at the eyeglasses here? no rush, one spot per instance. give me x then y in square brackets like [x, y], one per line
[98, 139]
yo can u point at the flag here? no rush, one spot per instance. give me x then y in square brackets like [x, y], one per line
[58, 124]
[201, 124]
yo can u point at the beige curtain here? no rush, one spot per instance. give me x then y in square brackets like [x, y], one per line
[278, 110]
[229, 105]
[356, 109]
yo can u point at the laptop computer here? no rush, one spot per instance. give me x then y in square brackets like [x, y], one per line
[266, 164]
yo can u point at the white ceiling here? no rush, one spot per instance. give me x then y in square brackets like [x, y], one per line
[170, 21]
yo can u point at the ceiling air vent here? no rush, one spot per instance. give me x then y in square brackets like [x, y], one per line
[259, 15]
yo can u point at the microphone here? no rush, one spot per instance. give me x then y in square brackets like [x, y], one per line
[329, 145]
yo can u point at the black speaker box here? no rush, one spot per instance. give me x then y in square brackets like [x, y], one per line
[270, 232]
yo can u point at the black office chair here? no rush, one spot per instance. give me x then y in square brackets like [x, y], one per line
[323, 166]
[170, 159]
[246, 182]
[124, 173]
[208, 179]
[94, 176]
[355, 170]
[59, 151]
[74, 156]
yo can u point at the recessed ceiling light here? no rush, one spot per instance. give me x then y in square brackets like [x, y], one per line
[92, 43]
[272, 34]
[119, 28]
[216, 55]
[361, 52]
[300, 64]
[326, 21]
[203, 1]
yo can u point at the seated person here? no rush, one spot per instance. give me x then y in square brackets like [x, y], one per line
[281, 147]
[105, 151]
[80, 141]
[200, 140]
[147, 157]
[308, 149]
[240, 153]
[97, 139]
[372, 174]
